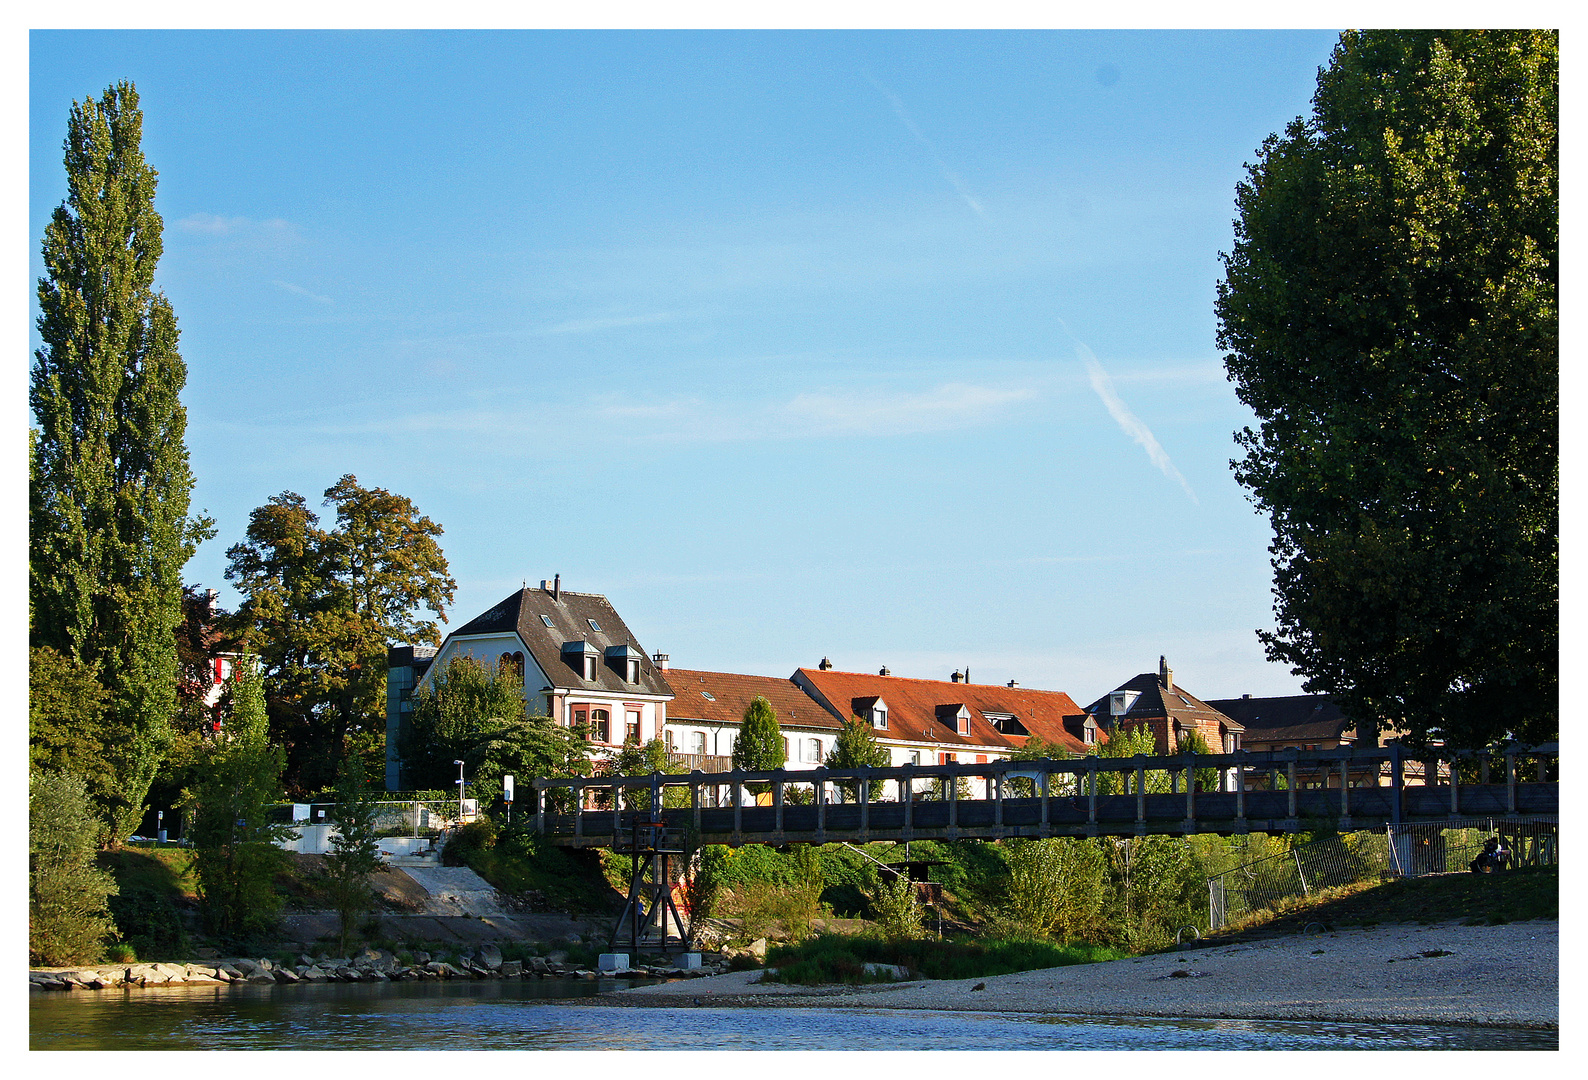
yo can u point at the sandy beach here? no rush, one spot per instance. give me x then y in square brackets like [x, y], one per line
[1498, 975]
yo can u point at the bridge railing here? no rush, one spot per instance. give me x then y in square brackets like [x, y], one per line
[1073, 777]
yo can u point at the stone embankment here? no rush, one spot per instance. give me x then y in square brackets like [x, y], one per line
[371, 965]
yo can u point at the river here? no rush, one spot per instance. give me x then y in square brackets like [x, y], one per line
[513, 1015]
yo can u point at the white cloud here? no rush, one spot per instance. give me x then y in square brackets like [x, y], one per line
[597, 325]
[299, 290]
[1128, 422]
[238, 227]
[948, 174]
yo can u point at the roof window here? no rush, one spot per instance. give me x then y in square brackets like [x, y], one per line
[547, 620]
[594, 625]
[708, 695]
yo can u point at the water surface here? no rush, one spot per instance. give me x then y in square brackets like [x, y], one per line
[513, 1015]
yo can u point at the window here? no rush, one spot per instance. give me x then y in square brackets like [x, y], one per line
[600, 730]
[590, 668]
[915, 757]
[547, 620]
[634, 671]
[512, 662]
[699, 738]
[632, 724]
[964, 723]
[981, 759]
[947, 759]
[813, 751]
[787, 749]
[879, 718]
[708, 695]
[667, 739]
[594, 625]
[581, 716]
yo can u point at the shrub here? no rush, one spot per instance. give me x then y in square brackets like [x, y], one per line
[68, 914]
[895, 908]
[468, 842]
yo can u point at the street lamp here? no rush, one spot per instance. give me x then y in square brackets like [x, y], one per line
[459, 764]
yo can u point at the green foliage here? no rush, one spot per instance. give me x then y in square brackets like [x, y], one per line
[109, 530]
[474, 712]
[1192, 742]
[856, 748]
[1036, 749]
[1057, 887]
[834, 958]
[68, 917]
[759, 747]
[67, 722]
[321, 607]
[1127, 742]
[643, 759]
[542, 875]
[232, 838]
[354, 854]
[1389, 313]
[895, 907]
[468, 841]
[1159, 886]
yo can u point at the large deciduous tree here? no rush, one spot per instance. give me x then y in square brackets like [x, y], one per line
[109, 530]
[321, 607]
[1389, 314]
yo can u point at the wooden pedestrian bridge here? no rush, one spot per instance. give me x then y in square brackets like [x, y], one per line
[1272, 791]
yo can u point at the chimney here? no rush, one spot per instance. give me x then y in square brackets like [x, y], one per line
[825, 665]
[954, 678]
[556, 588]
[211, 598]
[1246, 697]
[1013, 684]
[884, 670]
[1165, 674]
[660, 660]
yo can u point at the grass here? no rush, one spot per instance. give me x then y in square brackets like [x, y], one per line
[1473, 899]
[545, 877]
[835, 958]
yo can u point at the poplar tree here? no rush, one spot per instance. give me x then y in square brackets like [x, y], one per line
[759, 747]
[109, 530]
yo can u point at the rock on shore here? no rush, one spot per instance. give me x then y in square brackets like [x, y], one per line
[371, 965]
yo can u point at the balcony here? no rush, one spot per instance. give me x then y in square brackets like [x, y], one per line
[706, 763]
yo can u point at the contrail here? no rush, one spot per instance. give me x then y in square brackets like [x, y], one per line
[948, 174]
[1128, 421]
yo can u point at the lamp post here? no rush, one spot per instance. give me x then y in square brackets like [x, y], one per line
[459, 764]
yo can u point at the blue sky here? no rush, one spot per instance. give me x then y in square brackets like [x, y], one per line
[896, 348]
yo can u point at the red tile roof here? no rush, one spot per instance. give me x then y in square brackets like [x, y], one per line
[913, 709]
[731, 695]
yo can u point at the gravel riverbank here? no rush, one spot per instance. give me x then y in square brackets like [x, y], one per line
[1493, 975]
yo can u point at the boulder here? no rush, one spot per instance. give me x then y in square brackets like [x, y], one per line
[511, 969]
[262, 978]
[285, 975]
[539, 966]
[892, 971]
[488, 956]
[757, 948]
[232, 972]
[313, 975]
[421, 959]
[374, 959]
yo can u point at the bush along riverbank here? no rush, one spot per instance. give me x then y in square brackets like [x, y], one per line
[370, 965]
[860, 959]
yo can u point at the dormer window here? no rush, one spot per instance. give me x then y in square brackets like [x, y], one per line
[582, 657]
[590, 668]
[624, 660]
[1120, 701]
[873, 710]
[955, 716]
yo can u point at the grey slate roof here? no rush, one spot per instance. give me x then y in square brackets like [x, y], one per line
[570, 624]
[1297, 718]
[1154, 701]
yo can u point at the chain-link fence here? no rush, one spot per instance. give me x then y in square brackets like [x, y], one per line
[1400, 851]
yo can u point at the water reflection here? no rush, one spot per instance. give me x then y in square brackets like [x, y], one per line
[535, 1015]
